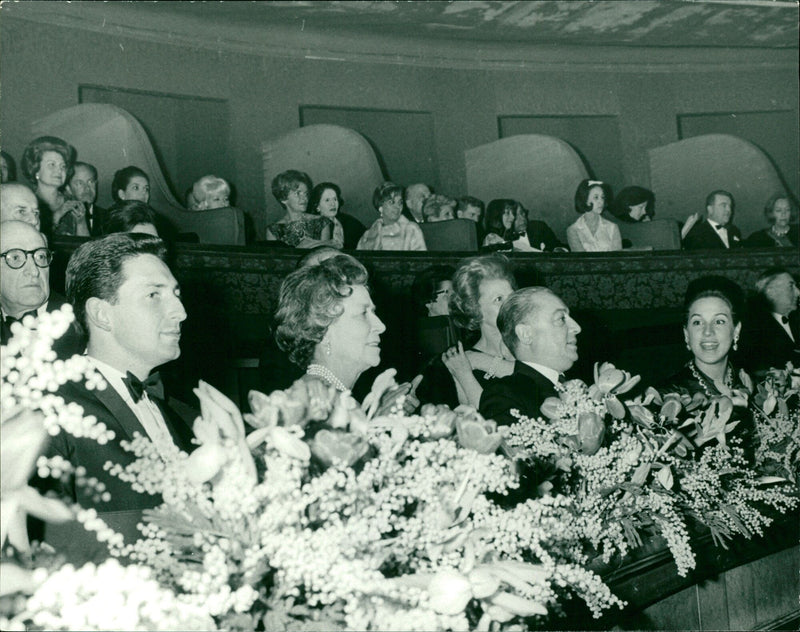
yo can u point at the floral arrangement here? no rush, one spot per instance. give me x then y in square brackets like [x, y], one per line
[653, 465]
[357, 522]
[776, 405]
[37, 590]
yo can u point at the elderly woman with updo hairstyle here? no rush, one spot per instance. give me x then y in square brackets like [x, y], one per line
[392, 230]
[711, 329]
[327, 325]
[47, 163]
[480, 286]
[297, 228]
[592, 232]
[782, 232]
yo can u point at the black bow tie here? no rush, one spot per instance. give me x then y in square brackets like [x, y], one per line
[720, 227]
[11, 319]
[152, 386]
[785, 320]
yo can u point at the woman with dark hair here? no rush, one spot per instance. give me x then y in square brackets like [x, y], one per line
[392, 230]
[634, 204]
[297, 228]
[480, 286]
[712, 325]
[592, 232]
[327, 325]
[326, 200]
[130, 183]
[498, 225]
[782, 232]
[47, 163]
[131, 216]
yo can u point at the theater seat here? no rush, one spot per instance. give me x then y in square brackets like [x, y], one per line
[110, 138]
[452, 234]
[659, 234]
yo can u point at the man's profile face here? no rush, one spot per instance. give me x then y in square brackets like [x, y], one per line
[416, 196]
[145, 319]
[554, 333]
[471, 212]
[721, 209]
[84, 184]
[783, 294]
[26, 288]
[19, 203]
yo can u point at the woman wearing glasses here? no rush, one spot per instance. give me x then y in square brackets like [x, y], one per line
[391, 231]
[25, 283]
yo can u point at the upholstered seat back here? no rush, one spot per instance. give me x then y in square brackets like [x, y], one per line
[452, 235]
[542, 172]
[658, 234]
[110, 138]
[327, 153]
[682, 174]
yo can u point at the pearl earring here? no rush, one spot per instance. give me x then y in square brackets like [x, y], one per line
[327, 347]
[735, 344]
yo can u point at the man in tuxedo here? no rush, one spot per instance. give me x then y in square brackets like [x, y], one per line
[128, 303]
[537, 328]
[772, 335]
[19, 203]
[25, 283]
[415, 196]
[83, 186]
[717, 232]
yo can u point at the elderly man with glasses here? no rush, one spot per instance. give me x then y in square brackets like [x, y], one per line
[25, 282]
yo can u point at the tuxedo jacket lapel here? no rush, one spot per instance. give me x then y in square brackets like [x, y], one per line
[128, 423]
[544, 384]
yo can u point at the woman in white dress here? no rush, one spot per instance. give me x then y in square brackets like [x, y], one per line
[592, 233]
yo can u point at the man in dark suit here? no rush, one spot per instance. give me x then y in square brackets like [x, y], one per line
[533, 232]
[128, 303]
[771, 337]
[717, 232]
[25, 283]
[83, 186]
[537, 328]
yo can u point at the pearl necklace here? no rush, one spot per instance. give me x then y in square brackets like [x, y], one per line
[700, 377]
[326, 374]
[779, 233]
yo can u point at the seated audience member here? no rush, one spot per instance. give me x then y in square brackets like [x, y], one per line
[414, 197]
[130, 183]
[430, 295]
[538, 329]
[712, 309]
[83, 187]
[47, 163]
[132, 216]
[297, 228]
[782, 233]
[498, 225]
[480, 285]
[533, 235]
[717, 232]
[326, 200]
[25, 283]
[771, 337]
[469, 207]
[392, 230]
[438, 208]
[634, 204]
[18, 202]
[592, 232]
[209, 192]
[8, 170]
[128, 336]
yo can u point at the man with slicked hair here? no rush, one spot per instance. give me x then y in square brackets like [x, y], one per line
[537, 328]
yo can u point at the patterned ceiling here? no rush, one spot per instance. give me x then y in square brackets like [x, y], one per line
[671, 23]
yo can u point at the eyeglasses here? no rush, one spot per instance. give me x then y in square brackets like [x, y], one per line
[16, 257]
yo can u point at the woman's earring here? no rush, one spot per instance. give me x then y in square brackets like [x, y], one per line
[735, 344]
[327, 347]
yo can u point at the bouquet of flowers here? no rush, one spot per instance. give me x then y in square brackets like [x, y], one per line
[37, 590]
[653, 465]
[776, 405]
[344, 520]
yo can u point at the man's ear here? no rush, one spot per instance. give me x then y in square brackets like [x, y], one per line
[98, 313]
[523, 332]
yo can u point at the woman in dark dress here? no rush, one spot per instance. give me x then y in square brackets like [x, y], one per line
[711, 330]
[480, 286]
[782, 233]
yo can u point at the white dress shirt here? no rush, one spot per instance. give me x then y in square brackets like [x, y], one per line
[146, 411]
[721, 231]
[785, 325]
